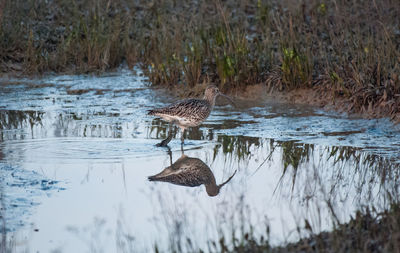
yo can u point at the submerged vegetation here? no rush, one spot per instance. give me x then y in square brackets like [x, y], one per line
[346, 49]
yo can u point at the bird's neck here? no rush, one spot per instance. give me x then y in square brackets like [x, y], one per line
[210, 99]
[212, 188]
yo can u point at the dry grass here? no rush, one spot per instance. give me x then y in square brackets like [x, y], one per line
[366, 232]
[348, 48]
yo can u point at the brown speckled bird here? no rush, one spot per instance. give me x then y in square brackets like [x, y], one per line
[189, 112]
[188, 171]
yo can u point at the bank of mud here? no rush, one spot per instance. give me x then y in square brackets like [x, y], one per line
[321, 97]
[328, 99]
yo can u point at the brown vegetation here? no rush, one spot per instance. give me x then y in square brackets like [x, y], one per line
[366, 232]
[348, 50]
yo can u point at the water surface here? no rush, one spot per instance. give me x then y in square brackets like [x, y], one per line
[76, 152]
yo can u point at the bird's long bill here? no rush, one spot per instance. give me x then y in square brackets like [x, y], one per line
[228, 98]
[227, 181]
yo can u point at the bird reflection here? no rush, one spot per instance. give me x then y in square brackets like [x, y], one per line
[191, 172]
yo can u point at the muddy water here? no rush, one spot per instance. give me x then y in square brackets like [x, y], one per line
[76, 153]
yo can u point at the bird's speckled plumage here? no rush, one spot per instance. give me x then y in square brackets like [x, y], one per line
[188, 112]
[185, 113]
[188, 171]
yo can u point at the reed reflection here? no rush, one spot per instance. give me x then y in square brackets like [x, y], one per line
[13, 119]
[191, 172]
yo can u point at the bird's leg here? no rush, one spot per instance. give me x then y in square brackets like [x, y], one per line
[183, 136]
[165, 142]
[170, 155]
[182, 148]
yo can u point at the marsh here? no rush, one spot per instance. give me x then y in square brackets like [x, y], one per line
[75, 168]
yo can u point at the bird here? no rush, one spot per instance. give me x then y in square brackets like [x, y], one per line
[191, 172]
[189, 112]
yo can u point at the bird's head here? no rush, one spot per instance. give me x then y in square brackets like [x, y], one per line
[213, 189]
[212, 92]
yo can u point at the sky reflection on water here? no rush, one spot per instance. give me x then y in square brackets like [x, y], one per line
[90, 136]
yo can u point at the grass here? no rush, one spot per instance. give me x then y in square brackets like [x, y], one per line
[349, 48]
[366, 232]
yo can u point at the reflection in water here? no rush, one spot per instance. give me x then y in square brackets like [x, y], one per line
[309, 189]
[312, 169]
[238, 147]
[19, 125]
[12, 119]
[159, 130]
[334, 182]
[191, 172]
[338, 173]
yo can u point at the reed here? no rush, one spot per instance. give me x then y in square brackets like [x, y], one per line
[351, 49]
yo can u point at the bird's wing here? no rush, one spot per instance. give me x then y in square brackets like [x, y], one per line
[182, 108]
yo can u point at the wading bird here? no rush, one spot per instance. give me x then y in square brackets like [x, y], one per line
[189, 112]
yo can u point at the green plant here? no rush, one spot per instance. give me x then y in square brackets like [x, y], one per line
[296, 68]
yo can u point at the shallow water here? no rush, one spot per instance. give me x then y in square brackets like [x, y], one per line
[76, 151]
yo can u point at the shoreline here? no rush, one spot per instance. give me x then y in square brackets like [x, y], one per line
[321, 97]
[317, 97]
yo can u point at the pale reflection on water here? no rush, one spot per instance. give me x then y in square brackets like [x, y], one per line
[76, 153]
[190, 172]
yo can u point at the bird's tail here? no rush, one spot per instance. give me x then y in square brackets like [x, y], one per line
[152, 178]
[162, 176]
[151, 112]
[158, 177]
